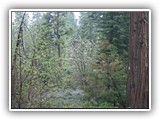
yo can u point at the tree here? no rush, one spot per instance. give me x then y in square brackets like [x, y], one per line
[113, 26]
[138, 79]
[103, 81]
[16, 67]
[57, 63]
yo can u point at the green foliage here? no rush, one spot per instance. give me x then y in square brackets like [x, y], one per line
[65, 65]
[114, 27]
[101, 81]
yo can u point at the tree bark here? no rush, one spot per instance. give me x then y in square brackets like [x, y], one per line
[138, 74]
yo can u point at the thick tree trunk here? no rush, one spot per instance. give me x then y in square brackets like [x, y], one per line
[138, 78]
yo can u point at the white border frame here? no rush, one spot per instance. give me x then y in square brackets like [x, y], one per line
[78, 10]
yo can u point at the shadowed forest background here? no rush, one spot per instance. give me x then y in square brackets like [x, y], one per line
[96, 60]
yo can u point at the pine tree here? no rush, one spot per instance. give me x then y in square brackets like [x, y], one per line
[114, 27]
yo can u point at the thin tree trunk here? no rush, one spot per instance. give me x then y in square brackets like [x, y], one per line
[138, 79]
[58, 37]
[20, 79]
[59, 53]
[14, 69]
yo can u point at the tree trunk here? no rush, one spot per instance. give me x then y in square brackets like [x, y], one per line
[138, 74]
[14, 62]
[58, 37]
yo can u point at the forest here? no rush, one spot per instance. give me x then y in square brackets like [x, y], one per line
[92, 59]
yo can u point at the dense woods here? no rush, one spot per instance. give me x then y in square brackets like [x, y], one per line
[96, 60]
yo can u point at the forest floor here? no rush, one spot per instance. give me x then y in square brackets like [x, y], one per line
[64, 98]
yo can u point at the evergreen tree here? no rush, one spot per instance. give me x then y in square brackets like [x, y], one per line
[114, 27]
[61, 62]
